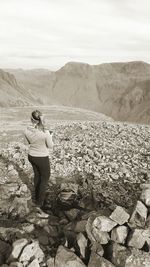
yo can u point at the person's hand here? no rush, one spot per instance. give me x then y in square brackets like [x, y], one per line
[43, 120]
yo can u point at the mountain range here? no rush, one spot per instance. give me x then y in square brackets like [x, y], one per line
[118, 90]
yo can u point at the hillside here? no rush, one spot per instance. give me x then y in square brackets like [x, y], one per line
[97, 208]
[119, 90]
[11, 93]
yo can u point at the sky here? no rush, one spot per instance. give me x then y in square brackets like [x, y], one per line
[50, 33]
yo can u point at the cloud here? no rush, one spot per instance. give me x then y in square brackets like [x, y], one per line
[49, 33]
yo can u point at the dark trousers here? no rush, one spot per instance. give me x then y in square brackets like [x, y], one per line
[41, 168]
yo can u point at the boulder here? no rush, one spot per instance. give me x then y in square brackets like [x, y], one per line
[72, 214]
[10, 234]
[50, 262]
[80, 226]
[51, 230]
[19, 207]
[5, 250]
[97, 248]
[141, 235]
[34, 263]
[66, 258]
[28, 228]
[37, 218]
[99, 236]
[82, 244]
[137, 239]
[96, 260]
[30, 251]
[43, 239]
[119, 234]
[14, 199]
[117, 254]
[147, 225]
[103, 224]
[17, 247]
[119, 215]
[145, 197]
[138, 258]
[139, 215]
[68, 193]
[99, 228]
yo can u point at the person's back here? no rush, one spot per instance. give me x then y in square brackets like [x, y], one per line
[39, 141]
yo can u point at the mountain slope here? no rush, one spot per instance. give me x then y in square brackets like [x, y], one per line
[119, 90]
[11, 94]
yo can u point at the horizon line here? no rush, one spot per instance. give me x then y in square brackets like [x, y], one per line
[72, 62]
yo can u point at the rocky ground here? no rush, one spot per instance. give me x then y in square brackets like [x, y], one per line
[97, 172]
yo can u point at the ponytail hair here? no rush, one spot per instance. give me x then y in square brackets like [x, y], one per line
[36, 117]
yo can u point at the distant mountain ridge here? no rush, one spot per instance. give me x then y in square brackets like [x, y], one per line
[119, 90]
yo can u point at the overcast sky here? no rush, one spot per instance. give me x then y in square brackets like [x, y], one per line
[49, 33]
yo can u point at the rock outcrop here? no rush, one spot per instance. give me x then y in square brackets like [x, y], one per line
[97, 207]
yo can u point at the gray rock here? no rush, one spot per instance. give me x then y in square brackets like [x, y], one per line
[68, 193]
[50, 262]
[118, 254]
[80, 226]
[9, 234]
[51, 230]
[5, 250]
[139, 237]
[119, 215]
[37, 219]
[96, 260]
[30, 251]
[34, 263]
[104, 224]
[100, 236]
[119, 234]
[97, 248]
[43, 239]
[138, 258]
[17, 247]
[82, 243]
[28, 228]
[66, 257]
[72, 214]
[148, 222]
[145, 197]
[139, 215]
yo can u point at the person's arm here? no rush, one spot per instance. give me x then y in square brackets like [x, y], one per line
[26, 140]
[48, 140]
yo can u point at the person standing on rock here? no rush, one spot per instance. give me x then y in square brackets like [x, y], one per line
[40, 140]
